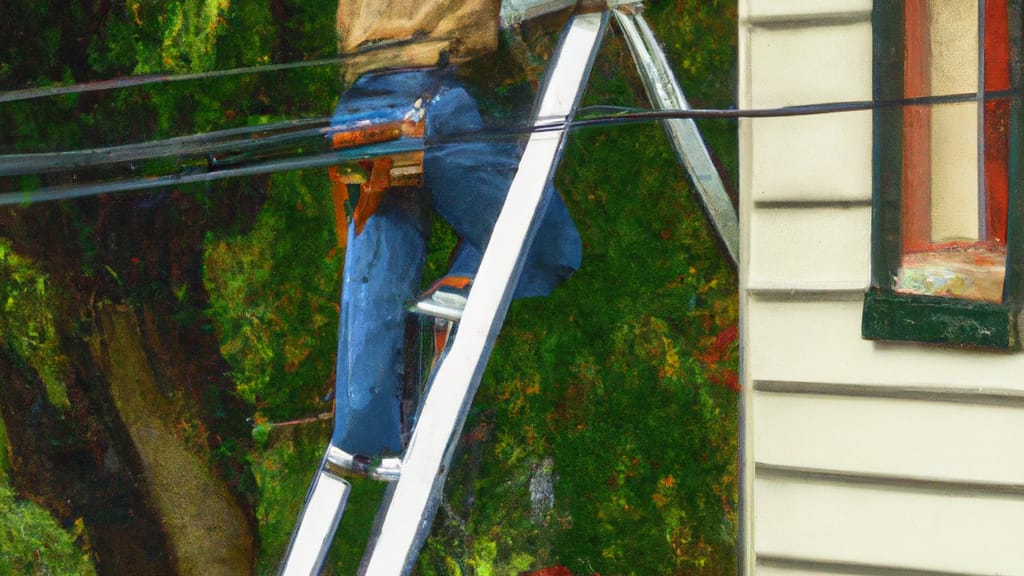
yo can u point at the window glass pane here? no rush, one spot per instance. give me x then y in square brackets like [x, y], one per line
[954, 173]
[953, 69]
[953, 39]
[952, 243]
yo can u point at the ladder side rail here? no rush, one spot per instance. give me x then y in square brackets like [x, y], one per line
[665, 93]
[416, 495]
[321, 512]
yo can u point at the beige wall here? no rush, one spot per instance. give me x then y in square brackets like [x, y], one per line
[861, 457]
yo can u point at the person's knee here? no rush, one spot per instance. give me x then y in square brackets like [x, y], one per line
[453, 112]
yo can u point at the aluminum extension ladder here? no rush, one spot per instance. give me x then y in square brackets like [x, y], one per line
[417, 478]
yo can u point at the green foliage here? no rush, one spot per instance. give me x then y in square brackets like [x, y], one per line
[34, 43]
[273, 289]
[485, 560]
[625, 377]
[283, 472]
[273, 294]
[699, 37]
[129, 39]
[619, 377]
[190, 32]
[27, 322]
[32, 543]
[282, 475]
[5, 450]
[261, 433]
[249, 36]
[29, 127]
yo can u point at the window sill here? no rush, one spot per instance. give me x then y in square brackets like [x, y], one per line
[966, 271]
[938, 320]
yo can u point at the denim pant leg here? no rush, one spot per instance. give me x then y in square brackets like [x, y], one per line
[383, 266]
[468, 182]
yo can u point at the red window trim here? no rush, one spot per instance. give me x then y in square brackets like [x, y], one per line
[997, 118]
[917, 128]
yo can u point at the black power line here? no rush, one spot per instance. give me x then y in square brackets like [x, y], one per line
[274, 147]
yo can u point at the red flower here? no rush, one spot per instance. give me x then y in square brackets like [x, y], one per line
[552, 571]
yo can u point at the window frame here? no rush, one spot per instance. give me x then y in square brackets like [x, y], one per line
[893, 316]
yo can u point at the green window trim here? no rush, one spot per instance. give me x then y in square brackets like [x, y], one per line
[936, 320]
[893, 316]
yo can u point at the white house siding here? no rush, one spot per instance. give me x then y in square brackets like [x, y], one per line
[860, 458]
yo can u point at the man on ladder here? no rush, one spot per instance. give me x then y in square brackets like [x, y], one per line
[470, 183]
[465, 181]
[405, 87]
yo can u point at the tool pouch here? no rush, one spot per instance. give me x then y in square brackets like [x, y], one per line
[358, 187]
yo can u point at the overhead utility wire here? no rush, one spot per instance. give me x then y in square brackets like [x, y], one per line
[192, 145]
[212, 172]
[143, 80]
[255, 137]
[132, 81]
[640, 115]
[513, 13]
[192, 176]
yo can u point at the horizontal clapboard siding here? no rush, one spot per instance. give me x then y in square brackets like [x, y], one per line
[881, 436]
[810, 65]
[817, 246]
[790, 12]
[839, 522]
[779, 566]
[819, 341]
[797, 158]
[861, 458]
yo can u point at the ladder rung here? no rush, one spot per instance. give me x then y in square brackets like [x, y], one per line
[436, 309]
[388, 469]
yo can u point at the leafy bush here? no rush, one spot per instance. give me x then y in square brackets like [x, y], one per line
[273, 295]
[32, 543]
[27, 322]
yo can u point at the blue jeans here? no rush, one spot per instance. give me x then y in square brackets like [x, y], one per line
[465, 181]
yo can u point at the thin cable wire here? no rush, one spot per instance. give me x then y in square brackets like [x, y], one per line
[143, 80]
[508, 20]
[193, 176]
[133, 81]
[195, 145]
[198, 146]
[251, 137]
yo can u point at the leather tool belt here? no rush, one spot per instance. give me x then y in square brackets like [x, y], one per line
[358, 187]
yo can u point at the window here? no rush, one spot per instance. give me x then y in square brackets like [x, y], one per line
[947, 170]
